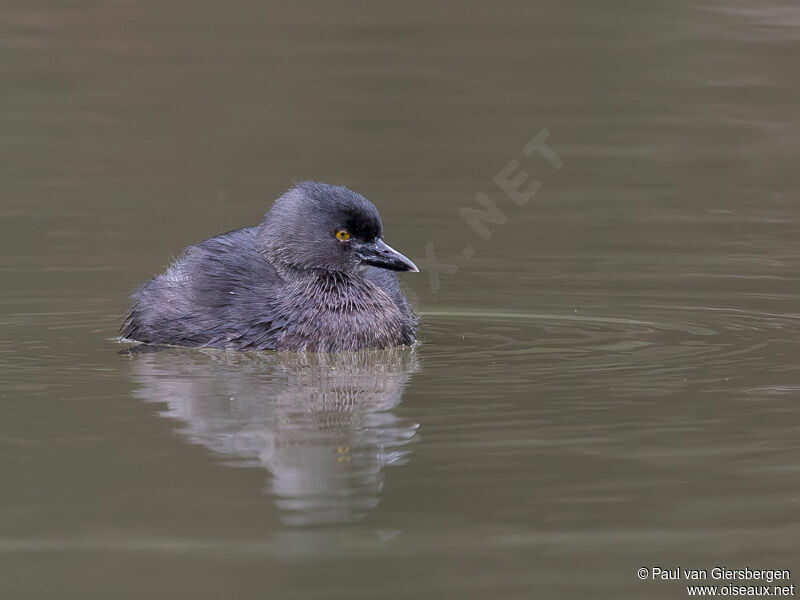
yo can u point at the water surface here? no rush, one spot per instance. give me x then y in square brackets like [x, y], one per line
[607, 371]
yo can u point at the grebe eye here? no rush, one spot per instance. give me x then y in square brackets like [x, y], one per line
[342, 235]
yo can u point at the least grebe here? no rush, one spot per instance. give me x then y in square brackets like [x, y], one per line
[315, 275]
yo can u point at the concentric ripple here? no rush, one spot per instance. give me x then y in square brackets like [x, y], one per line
[668, 346]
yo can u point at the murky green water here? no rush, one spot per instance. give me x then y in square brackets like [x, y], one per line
[608, 370]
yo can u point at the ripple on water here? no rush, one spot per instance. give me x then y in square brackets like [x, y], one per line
[671, 346]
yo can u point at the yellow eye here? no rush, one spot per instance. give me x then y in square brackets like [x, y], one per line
[342, 235]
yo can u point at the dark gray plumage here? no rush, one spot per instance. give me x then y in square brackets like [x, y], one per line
[315, 275]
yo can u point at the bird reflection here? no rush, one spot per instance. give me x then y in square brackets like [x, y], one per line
[322, 424]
